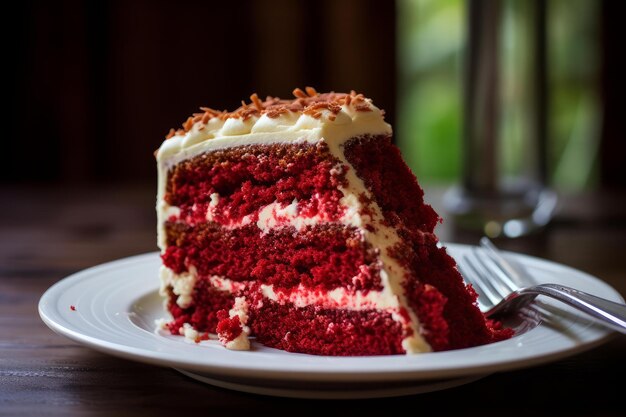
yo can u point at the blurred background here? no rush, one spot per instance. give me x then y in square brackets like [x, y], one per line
[95, 86]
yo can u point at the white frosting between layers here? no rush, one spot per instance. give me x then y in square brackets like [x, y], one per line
[189, 332]
[300, 296]
[287, 128]
[337, 298]
[391, 273]
[276, 215]
[181, 284]
[240, 309]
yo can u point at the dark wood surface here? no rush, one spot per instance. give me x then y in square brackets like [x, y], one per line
[49, 233]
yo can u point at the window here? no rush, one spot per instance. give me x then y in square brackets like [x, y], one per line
[431, 38]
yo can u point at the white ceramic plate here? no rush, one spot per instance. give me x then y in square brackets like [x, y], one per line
[113, 307]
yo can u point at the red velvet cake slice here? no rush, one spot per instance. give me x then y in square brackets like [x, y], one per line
[297, 222]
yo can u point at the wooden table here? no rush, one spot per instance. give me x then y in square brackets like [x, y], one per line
[49, 233]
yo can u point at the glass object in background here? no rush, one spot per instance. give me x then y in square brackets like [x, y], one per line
[431, 36]
[503, 186]
[575, 113]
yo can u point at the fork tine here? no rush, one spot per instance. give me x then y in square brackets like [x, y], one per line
[497, 278]
[509, 275]
[474, 276]
[483, 302]
[487, 276]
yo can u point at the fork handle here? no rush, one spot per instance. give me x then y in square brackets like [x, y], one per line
[612, 315]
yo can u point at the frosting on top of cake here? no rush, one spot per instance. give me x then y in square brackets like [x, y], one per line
[307, 111]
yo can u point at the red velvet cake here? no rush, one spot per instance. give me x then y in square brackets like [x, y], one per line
[296, 222]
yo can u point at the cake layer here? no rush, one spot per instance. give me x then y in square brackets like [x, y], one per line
[319, 331]
[182, 291]
[201, 315]
[224, 186]
[284, 325]
[326, 256]
[379, 164]
[449, 317]
[295, 319]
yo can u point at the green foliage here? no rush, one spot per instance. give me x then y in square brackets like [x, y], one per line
[429, 129]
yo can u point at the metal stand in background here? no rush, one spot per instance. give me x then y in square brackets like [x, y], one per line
[490, 200]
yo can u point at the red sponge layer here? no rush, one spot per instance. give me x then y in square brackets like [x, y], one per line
[319, 331]
[248, 178]
[379, 163]
[326, 256]
[312, 330]
[466, 325]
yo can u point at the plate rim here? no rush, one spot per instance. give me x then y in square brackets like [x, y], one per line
[312, 374]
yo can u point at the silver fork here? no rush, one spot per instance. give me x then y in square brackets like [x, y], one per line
[500, 290]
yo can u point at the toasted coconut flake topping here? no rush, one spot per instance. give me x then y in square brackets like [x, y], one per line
[299, 93]
[257, 103]
[188, 124]
[308, 102]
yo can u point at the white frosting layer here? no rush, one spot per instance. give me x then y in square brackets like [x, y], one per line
[189, 332]
[337, 298]
[181, 284]
[348, 119]
[241, 342]
[288, 128]
[276, 215]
